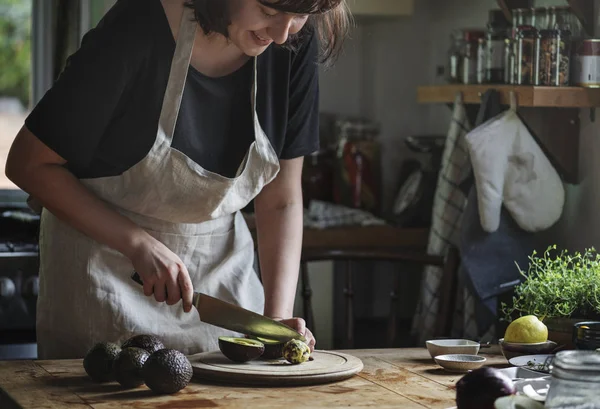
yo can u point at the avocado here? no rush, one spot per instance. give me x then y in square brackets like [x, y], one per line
[128, 367]
[241, 349]
[148, 342]
[167, 371]
[99, 360]
[296, 351]
[273, 348]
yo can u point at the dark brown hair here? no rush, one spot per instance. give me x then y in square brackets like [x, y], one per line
[329, 19]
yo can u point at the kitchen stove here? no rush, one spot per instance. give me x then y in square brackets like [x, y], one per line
[19, 283]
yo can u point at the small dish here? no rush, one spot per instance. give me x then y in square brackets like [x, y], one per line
[460, 363]
[537, 363]
[452, 346]
[514, 349]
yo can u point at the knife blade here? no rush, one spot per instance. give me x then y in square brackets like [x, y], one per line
[235, 318]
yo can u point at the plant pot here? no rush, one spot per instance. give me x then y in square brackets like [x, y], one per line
[560, 330]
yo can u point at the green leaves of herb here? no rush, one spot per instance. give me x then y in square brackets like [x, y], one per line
[558, 284]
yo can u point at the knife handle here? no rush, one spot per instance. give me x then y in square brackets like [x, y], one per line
[136, 277]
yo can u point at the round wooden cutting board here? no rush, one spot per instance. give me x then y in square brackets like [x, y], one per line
[326, 367]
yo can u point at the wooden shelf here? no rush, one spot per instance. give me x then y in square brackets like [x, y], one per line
[550, 113]
[527, 96]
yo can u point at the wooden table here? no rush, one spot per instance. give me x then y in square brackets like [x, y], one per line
[392, 378]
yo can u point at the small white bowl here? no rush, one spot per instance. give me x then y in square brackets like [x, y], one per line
[452, 346]
[460, 363]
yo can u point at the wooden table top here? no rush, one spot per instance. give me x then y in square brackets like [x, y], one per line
[391, 378]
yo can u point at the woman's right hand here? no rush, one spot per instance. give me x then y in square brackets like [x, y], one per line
[162, 272]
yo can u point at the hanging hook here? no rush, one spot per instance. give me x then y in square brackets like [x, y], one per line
[513, 101]
[458, 97]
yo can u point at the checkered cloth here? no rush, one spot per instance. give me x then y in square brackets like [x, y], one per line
[448, 207]
[322, 215]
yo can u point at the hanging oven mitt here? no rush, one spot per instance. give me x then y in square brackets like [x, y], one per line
[511, 169]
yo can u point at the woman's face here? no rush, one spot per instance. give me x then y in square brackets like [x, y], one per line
[255, 26]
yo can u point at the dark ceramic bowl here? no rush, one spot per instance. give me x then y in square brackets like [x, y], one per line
[586, 335]
[514, 349]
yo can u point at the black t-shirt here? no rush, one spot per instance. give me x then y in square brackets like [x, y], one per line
[101, 115]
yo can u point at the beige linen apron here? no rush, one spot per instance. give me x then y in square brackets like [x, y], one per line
[86, 293]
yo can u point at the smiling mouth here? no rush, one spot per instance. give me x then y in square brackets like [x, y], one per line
[261, 40]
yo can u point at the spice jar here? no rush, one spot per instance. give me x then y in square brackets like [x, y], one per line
[495, 47]
[509, 61]
[575, 381]
[481, 61]
[527, 57]
[554, 50]
[454, 74]
[586, 63]
[469, 56]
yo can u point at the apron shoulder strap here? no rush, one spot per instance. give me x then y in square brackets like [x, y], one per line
[178, 74]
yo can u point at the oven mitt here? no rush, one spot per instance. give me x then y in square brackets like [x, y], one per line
[511, 169]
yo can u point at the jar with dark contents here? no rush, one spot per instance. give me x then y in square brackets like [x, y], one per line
[526, 64]
[497, 33]
[554, 58]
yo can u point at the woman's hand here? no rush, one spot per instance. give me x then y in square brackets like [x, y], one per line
[300, 325]
[162, 272]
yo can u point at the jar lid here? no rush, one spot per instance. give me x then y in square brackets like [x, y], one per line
[577, 360]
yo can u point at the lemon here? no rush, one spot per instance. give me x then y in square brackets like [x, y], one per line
[527, 329]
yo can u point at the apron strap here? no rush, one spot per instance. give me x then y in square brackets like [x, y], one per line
[178, 75]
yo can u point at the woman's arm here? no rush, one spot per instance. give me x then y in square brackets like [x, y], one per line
[40, 171]
[279, 225]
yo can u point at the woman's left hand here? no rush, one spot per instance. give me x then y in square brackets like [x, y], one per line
[300, 325]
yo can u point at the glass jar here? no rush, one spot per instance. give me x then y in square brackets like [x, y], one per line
[509, 61]
[454, 74]
[469, 56]
[526, 61]
[554, 58]
[496, 35]
[481, 61]
[575, 382]
[563, 18]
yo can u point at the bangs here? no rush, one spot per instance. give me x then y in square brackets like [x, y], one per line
[302, 6]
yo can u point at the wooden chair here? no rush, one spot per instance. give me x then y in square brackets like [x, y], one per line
[408, 252]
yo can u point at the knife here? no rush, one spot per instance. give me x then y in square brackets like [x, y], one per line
[234, 318]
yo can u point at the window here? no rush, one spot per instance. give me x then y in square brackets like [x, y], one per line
[15, 75]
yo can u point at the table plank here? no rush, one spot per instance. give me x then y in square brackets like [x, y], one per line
[392, 378]
[25, 384]
[410, 385]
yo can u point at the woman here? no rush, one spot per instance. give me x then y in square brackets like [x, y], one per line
[144, 152]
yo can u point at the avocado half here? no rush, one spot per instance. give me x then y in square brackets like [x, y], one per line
[241, 349]
[273, 348]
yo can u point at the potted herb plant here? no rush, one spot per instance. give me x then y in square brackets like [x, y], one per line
[559, 288]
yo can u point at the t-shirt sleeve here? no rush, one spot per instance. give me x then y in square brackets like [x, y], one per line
[302, 134]
[74, 114]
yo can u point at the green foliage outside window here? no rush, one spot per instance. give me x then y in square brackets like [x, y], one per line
[15, 49]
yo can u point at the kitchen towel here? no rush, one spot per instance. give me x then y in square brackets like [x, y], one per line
[448, 206]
